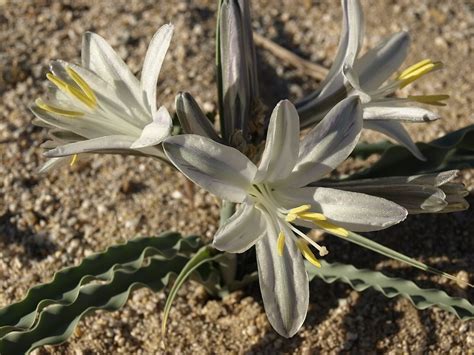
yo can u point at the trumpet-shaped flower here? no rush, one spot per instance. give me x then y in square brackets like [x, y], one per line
[369, 78]
[100, 106]
[427, 193]
[274, 200]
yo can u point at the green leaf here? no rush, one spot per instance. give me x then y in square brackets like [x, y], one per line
[455, 150]
[204, 255]
[360, 280]
[56, 323]
[66, 283]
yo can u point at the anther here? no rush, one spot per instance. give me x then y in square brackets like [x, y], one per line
[57, 110]
[312, 216]
[417, 71]
[280, 243]
[73, 160]
[86, 89]
[429, 99]
[332, 228]
[71, 90]
[307, 253]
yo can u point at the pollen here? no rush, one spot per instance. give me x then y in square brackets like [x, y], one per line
[307, 253]
[280, 243]
[57, 110]
[418, 70]
[435, 100]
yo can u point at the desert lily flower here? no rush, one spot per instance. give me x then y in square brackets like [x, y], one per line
[427, 193]
[100, 106]
[274, 200]
[369, 78]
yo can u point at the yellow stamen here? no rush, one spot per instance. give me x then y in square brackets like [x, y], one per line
[312, 216]
[307, 253]
[332, 228]
[414, 67]
[73, 160]
[71, 90]
[294, 213]
[300, 209]
[86, 89]
[429, 99]
[417, 70]
[57, 110]
[281, 243]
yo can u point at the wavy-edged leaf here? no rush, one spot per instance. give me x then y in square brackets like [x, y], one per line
[57, 322]
[66, 283]
[455, 150]
[361, 279]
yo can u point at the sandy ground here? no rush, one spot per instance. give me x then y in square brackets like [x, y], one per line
[52, 221]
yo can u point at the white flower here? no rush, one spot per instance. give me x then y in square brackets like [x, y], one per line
[274, 200]
[100, 106]
[426, 193]
[368, 77]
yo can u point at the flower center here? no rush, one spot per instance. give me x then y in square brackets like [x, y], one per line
[284, 218]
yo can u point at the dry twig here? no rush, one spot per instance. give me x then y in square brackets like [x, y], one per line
[314, 70]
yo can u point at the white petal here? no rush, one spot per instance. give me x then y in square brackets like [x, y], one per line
[333, 88]
[379, 63]
[98, 56]
[53, 163]
[378, 111]
[434, 179]
[107, 143]
[414, 198]
[121, 108]
[329, 143]
[417, 193]
[241, 231]
[396, 131]
[282, 144]
[81, 126]
[61, 136]
[220, 169]
[349, 46]
[283, 283]
[354, 211]
[155, 132]
[154, 58]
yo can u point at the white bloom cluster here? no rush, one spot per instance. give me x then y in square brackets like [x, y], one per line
[101, 107]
